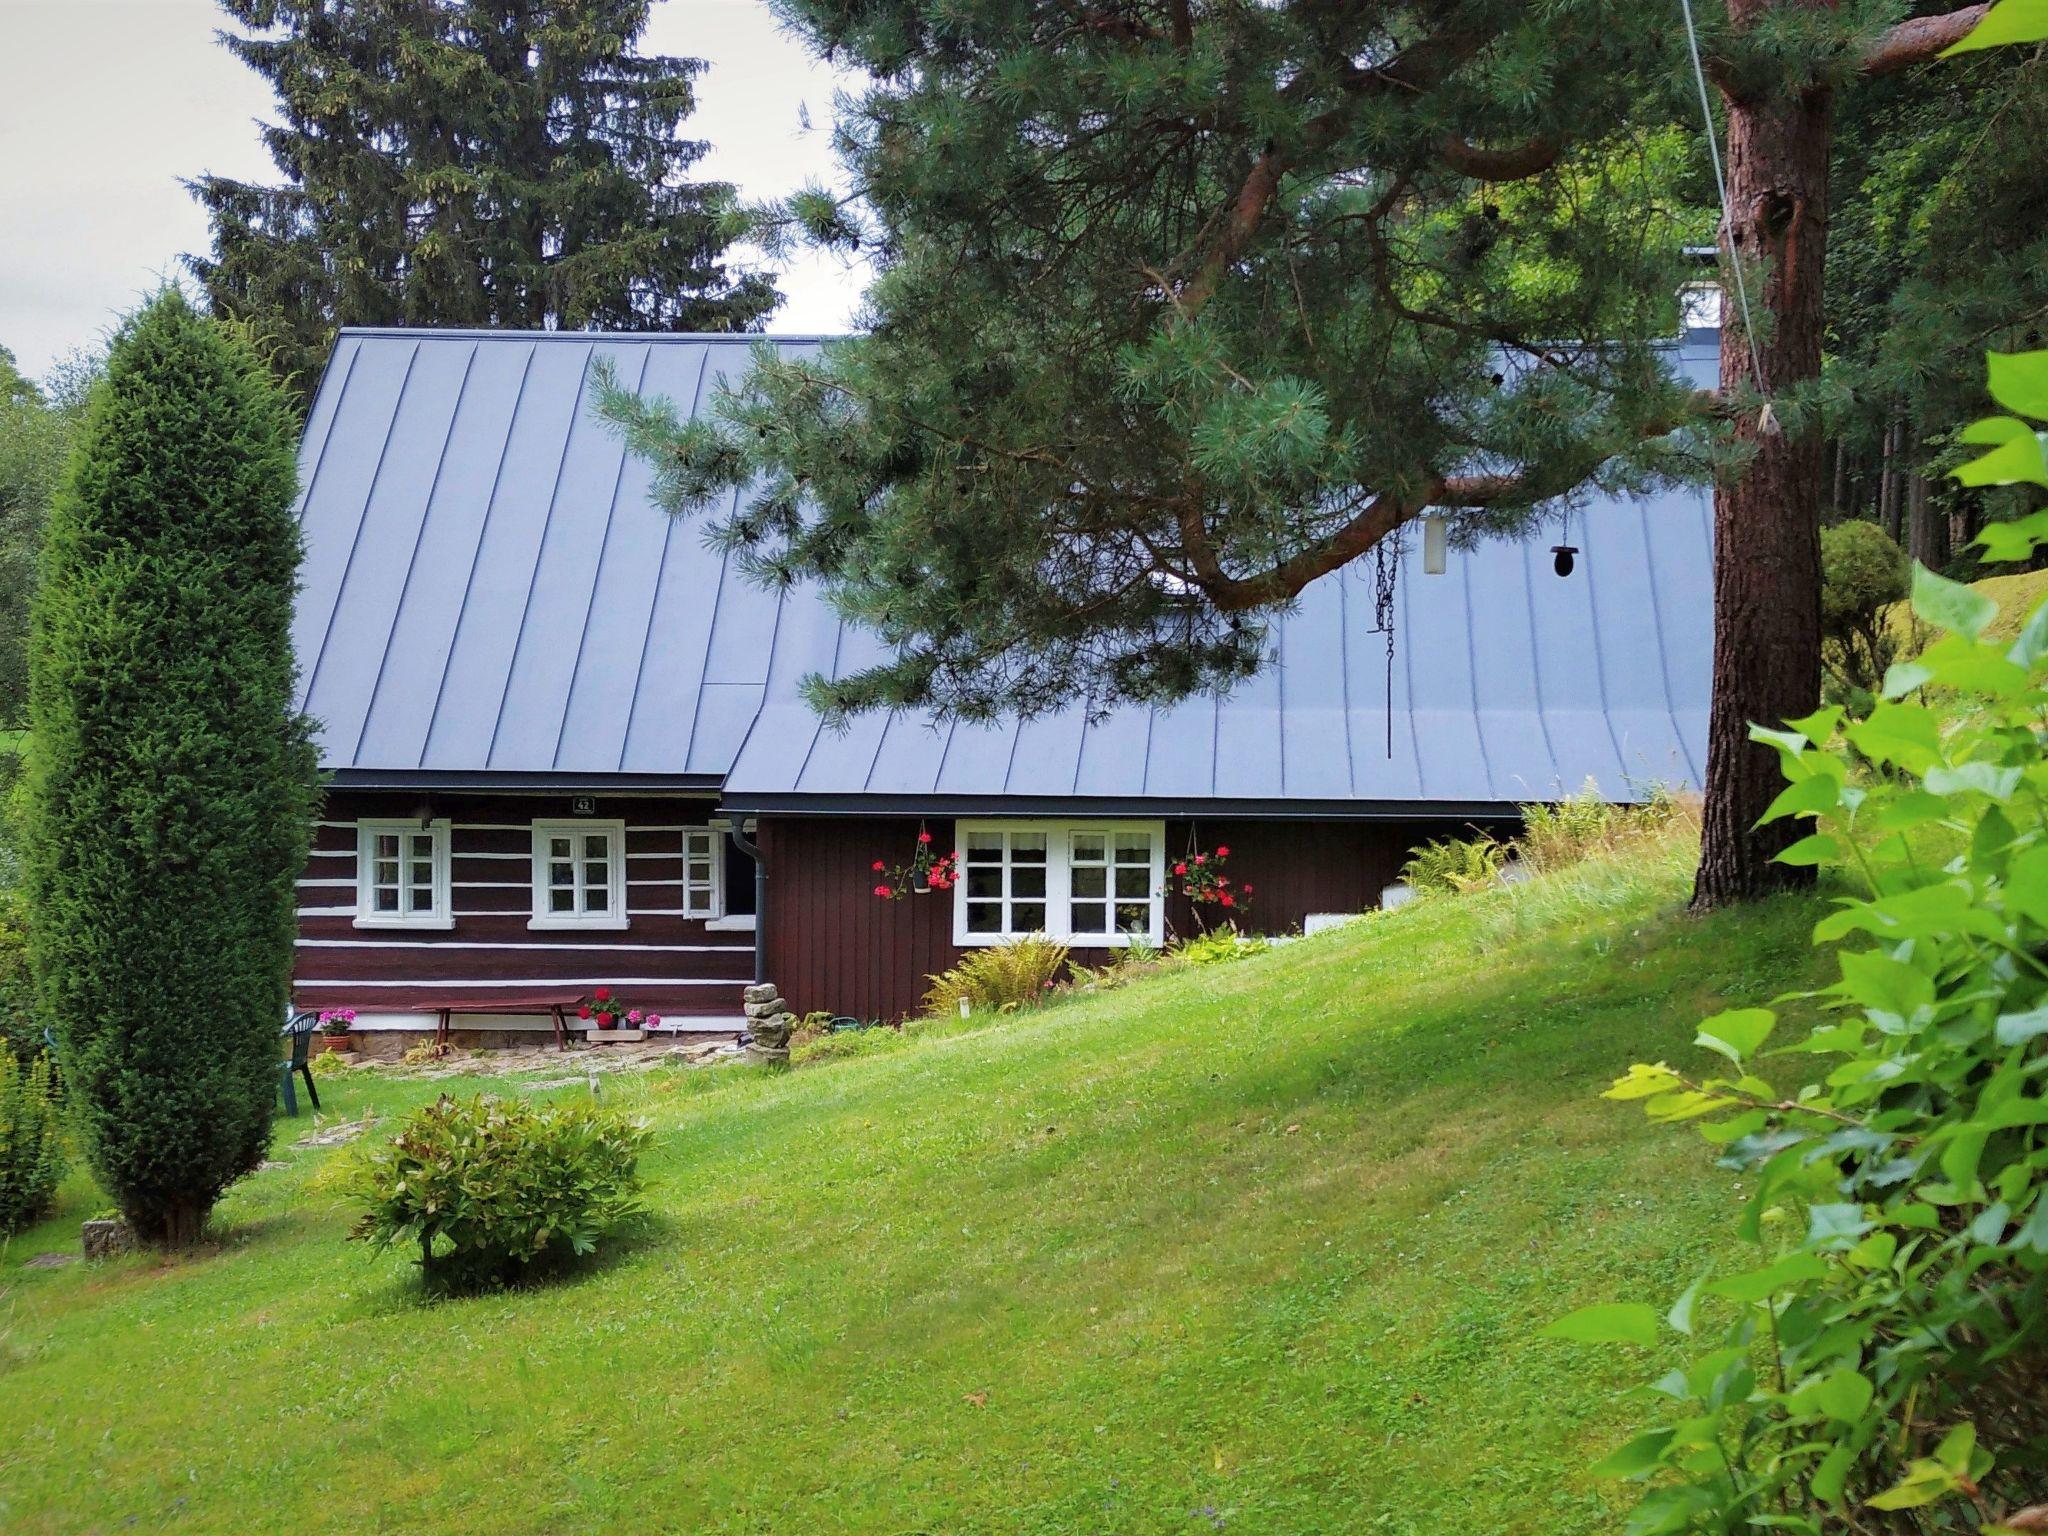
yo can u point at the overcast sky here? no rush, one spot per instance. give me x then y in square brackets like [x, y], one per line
[105, 104]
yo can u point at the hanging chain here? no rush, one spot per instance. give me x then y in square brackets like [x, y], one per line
[1385, 573]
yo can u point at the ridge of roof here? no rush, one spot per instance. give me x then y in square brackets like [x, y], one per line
[502, 333]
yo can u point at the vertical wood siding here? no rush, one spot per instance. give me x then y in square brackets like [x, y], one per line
[662, 960]
[833, 945]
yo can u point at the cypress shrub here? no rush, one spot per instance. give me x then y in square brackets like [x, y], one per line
[170, 782]
[31, 1140]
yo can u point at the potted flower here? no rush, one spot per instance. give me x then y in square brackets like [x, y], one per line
[926, 872]
[610, 1018]
[1201, 879]
[335, 1024]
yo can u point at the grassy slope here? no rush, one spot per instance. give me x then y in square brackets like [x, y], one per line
[1258, 1248]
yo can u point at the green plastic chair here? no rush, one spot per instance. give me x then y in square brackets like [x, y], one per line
[299, 1028]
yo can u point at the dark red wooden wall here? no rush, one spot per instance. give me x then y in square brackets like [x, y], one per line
[833, 945]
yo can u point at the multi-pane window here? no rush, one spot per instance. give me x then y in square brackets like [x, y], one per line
[1110, 885]
[402, 874]
[1093, 883]
[579, 877]
[703, 872]
[1003, 891]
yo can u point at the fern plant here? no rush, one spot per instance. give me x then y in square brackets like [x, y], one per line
[1004, 977]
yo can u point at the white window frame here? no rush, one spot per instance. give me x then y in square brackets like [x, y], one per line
[1059, 882]
[703, 899]
[367, 915]
[614, 917]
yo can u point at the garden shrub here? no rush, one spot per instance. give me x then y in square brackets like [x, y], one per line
[1139, 957]
[1863, 574]
[844, 1045]
[491, 1189]
[1452, 866]
[1014, 974]
[1881, 1367]
[32, 1162]
[1215, 947]
[18, 1024]
[1554, 837]
[170, 786]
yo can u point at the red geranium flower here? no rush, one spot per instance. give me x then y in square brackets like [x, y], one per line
[1222, 852]
[883, 891]
[1226, 899]
[1180, 869]
[583, 1012]
[924, 837]
[1247, 887]
[878, 866]
[1201, 858]
[604, 994]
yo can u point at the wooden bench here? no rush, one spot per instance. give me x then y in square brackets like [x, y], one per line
[553, 1004]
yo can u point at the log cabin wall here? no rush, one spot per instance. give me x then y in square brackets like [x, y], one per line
[832, 945]
[663, 961]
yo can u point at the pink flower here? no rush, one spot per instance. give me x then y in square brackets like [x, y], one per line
[1247, 887]
[1180, 869]
[633, 1016]
[653, 1019]
[924, 837]
[1201, 858]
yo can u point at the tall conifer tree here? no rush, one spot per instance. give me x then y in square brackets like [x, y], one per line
[470, 162]
[171, 785]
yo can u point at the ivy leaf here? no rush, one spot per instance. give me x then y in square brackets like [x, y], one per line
[2019, 380]
[2019, 461]
[1951, 605]
[1924, 1482]
[1816, 848]
[1607, 1322]
[1736, 1033]
[1640, 1457]
[1973, 778]
[1757, 1284]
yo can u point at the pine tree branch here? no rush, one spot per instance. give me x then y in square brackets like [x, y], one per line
[1919, 39]
[1518, 163]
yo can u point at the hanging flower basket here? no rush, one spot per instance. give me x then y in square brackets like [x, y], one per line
[924, 873]
[1204, 879]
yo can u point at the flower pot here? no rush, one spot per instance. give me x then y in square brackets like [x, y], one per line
[921, 884]
[599, 1036]
[337, 1042]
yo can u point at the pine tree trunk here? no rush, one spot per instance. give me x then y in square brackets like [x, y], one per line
[1888, 482]
[1924, 541]
[1767, 521]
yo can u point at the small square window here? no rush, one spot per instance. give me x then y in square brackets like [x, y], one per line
[579, 874]
[402, 875]
[703, 872]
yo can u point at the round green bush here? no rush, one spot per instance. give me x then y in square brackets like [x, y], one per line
[490, 1189]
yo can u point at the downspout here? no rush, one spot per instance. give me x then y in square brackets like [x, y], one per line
[752, 850]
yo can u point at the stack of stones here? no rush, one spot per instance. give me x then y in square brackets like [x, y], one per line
[769, 1021]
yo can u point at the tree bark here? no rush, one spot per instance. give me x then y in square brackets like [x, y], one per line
[1924, 541]
[1767, 520]
[1888, 481]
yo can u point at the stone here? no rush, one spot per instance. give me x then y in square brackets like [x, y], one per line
[773, 1033]
[50, 1261]
[761, 992]
[772, 1055]
[104, 1238]
[773, 1008]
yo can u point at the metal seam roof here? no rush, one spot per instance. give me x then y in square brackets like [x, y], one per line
[488, 591]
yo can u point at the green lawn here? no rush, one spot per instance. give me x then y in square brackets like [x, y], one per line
[1258, 1248]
